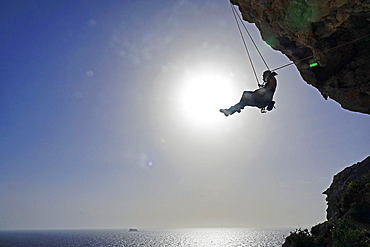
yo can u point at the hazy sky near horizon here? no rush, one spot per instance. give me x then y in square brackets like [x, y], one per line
[109, 118]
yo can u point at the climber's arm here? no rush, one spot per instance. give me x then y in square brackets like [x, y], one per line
[271, 84]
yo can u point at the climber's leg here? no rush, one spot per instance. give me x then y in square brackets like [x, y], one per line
[247, 99]
[230, 111]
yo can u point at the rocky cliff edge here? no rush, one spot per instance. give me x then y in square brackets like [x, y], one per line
[348, 212]
[334, 34]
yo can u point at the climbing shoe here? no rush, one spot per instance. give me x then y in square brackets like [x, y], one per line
[226, 112]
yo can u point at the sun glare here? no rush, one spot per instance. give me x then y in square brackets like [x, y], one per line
[204, 95]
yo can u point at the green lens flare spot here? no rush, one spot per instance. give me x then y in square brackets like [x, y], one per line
[270, 41]
[313, 65]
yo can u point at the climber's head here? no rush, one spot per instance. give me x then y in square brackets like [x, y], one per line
[268, 74]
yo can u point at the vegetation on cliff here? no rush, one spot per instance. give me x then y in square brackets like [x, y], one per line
[341, 234]
[348, 211]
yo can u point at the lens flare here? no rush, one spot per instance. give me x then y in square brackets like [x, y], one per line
[204, 94]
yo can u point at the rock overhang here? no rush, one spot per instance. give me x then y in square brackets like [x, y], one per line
[334, 35]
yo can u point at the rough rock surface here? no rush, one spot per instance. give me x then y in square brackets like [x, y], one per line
[348, 212]
[335, 34]
[339, 186]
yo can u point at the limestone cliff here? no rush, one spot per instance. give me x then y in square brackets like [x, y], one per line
[338, 203]
[348, 212]
[335, 34]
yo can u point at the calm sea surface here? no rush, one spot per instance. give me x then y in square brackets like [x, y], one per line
[182, 238]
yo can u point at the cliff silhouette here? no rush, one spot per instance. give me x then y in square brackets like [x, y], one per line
[329, 43]
[348, 212]
[334, 34]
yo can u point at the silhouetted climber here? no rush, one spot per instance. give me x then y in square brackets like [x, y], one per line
[261, 98]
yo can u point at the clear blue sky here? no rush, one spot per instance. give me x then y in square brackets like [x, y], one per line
[109, 118]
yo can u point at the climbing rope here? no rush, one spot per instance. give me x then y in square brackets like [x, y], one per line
[286, 65]
[336, 47]
[245, 45]
[250, 36]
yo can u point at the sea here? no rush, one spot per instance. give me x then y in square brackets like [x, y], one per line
[199, 237]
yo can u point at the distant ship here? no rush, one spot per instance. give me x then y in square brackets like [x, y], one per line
[132, 230]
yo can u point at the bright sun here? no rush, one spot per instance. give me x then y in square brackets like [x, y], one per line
[204, 95]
